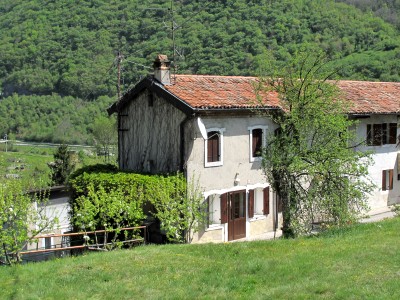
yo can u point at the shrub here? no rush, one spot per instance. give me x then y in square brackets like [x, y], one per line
[99, 189]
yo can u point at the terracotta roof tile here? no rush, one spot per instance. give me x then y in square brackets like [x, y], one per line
[208, 92]
[372, 97]
[216, 92]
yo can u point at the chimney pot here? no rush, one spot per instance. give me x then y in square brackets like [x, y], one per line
[161, 67]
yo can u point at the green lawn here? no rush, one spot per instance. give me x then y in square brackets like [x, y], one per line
[362, 262]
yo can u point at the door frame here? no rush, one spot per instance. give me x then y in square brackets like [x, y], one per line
[237, 225]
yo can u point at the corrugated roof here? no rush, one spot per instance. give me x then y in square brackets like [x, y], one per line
[219, 92]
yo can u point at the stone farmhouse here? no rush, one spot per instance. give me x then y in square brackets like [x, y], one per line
[208, 126]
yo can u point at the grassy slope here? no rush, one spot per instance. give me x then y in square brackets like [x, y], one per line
[362, 262]
[36, 172]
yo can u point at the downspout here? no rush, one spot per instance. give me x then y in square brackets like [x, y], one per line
[182, 145]
[275, 213]
[183, 154]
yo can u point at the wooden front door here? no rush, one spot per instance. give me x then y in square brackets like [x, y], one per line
[236, 215]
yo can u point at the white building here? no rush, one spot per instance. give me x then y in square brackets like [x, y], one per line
[208, 126]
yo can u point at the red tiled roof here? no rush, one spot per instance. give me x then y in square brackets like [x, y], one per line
[216, 92]
[203, 91]
[371, 97]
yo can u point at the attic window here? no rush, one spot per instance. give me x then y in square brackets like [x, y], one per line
[381, 134]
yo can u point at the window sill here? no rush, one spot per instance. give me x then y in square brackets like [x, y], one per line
[214, 227]
[258, 218]
[253, 159]
[213, 164]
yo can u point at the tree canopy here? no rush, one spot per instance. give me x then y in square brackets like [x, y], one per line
[310, 160]
[64, 48]
[69, 47]
[22, 217]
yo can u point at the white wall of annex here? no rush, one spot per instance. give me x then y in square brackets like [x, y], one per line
[384, 158]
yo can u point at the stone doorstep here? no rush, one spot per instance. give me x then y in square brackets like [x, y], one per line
[260, 237]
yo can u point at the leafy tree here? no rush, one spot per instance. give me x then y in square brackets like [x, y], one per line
[22, 217]
[105, 135]
[310, 161]
[62, 166]
[182, 215]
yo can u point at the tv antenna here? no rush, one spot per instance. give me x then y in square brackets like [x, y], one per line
[173, 26]
[119, 60]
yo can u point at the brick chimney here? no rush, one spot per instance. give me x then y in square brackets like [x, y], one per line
[162, 69]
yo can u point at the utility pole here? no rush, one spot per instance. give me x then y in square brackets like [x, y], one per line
[119, 61]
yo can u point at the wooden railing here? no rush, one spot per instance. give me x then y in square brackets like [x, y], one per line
[85, 244]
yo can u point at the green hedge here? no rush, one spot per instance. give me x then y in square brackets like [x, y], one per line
[100, 191]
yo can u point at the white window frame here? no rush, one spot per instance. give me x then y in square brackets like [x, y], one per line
[388, 186]
[383, 143]
[258, 202]
[221, 147]
[48, 238]
[214, 209]
[264, 131]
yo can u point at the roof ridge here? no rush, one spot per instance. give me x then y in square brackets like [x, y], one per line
[215, 76]
[363, 81]
[256, 77]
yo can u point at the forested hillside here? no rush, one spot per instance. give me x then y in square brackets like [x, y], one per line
[67, 48]
[388, 10]
[51, 118]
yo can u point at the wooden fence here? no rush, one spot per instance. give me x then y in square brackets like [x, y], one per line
[96, 243]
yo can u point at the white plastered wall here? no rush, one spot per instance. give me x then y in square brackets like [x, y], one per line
[237, 172]
[236, 154]
[384, 158]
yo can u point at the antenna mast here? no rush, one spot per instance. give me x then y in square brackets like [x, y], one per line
[173, 36]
